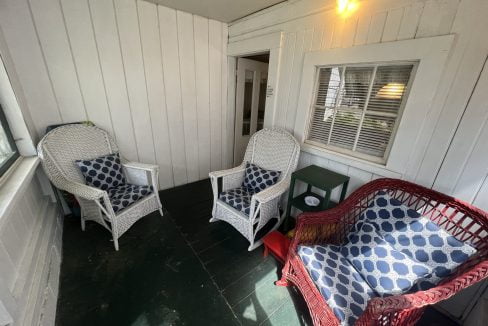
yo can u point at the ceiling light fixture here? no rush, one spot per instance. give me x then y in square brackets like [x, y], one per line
[346, 7]
[391, 91]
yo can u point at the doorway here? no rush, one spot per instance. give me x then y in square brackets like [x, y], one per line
[251, 85]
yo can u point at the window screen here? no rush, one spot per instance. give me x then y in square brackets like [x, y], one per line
[356, 108]
[8, 149]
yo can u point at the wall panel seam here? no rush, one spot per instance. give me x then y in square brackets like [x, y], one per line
[145, 80]
[165, 97]
[101, 70]
[125, 80]
[73, 58]
[44, 60]
[181, 95]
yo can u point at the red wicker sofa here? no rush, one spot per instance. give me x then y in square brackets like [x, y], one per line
[464, 221]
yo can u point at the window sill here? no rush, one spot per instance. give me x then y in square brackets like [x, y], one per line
[15, 181]
[351, 161]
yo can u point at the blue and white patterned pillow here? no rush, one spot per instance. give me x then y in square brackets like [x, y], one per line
[344, 290]
[127, 194]
[417, 237]
[239, 198]
[258, 179]
[103, 172]
[387, 270]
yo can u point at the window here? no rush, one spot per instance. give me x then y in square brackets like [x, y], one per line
[356, 108]
[8, 149]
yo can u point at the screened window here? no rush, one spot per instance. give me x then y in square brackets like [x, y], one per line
[357, 107]
[8, 150]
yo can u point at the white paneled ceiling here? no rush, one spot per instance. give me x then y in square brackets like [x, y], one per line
[222, 10]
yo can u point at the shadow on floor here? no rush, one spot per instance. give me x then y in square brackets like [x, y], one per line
[175, 270]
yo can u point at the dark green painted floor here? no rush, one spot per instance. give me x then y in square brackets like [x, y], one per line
[175, 270]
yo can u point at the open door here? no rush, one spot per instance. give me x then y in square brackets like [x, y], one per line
[252, 79]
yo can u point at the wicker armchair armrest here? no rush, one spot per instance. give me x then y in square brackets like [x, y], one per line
[272, 192]
[229, 172]
[81, 190]
[140, 166]
[141, 173]
[231, 178]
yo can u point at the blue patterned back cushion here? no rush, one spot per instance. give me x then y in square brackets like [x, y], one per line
[258, 179]
[387, 270]
[103, 172]
[345, 291]
[417, 237]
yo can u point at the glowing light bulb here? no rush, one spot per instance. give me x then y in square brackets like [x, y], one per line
[391, 91]
[347, 7]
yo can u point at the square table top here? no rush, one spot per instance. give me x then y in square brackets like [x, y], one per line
[320, 177]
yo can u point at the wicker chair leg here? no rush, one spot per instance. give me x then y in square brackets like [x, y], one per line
[161, 211]
[116, 244]
[115, 237]
[82, 224]
[254, 245]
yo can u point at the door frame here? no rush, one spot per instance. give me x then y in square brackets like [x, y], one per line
[271, 43]
[258, 70]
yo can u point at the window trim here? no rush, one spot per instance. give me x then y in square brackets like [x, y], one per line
[352, 153]
[407, 149]
[7, 164]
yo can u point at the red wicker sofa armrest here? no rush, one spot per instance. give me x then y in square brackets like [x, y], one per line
[379, 307]
[318, 227]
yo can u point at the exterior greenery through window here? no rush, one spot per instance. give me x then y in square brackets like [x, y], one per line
[357, 108]
[8, 149]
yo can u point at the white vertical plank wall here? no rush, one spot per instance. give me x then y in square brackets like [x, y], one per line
[464, 172]
[84, 50]
[109, 51]
[215, 67]
[153, 66]
[30, 256]
[186, 48]
[23, 44]
[171, 71]
[152, 76]
[202, 80]
[135, 78]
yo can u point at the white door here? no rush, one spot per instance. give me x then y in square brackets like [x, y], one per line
[252, 78]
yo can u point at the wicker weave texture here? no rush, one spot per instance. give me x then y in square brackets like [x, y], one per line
[464, 221]
[58, 151]
[272, 149]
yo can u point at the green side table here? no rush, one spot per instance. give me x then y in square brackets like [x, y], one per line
[317, 177]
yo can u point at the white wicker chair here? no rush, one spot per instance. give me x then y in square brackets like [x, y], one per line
[58, 151]
[272, 149]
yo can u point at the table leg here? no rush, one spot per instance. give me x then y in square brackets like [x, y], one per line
[325, 204]
[344, 190]
[309, 188]
[288, 205]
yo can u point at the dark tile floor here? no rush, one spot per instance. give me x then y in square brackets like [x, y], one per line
[175, 270]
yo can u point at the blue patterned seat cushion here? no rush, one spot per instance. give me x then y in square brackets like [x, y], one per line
[127, 194]
[103, 172]
[257, 179]
[239, 198]
[417, 237]
[342, 287]
[387, 270]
